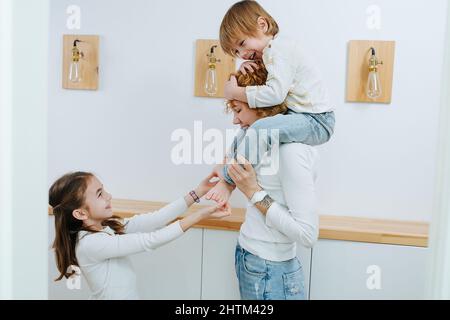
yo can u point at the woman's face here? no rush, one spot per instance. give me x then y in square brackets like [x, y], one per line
[243, 115]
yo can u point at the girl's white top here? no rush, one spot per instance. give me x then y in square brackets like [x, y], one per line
[103, 256]
[288, 175]
[292, 77]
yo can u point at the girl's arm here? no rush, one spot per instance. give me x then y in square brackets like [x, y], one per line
[101, 246]
[160, 218]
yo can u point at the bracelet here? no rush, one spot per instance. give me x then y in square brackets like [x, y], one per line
[194, 196]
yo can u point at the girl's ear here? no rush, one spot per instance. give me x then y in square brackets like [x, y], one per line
[80, 214]
[262, 24]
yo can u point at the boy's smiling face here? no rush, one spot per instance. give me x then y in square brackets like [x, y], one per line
[251, 47]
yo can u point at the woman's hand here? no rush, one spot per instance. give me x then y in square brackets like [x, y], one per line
[244, 177]
[230, 88]
[206, 184]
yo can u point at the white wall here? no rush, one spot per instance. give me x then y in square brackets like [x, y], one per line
[439, 262]
[380, 163]
[23, 148]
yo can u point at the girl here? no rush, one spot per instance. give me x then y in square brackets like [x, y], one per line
[90, 237]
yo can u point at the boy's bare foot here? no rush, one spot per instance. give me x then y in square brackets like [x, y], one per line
[220, 193]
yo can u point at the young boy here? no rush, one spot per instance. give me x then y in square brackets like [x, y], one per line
[250, 33]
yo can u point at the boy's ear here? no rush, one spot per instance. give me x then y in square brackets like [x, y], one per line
[80, 214]
[262, 24]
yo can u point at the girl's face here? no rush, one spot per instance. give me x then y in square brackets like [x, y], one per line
[98, 203]
[243, 115]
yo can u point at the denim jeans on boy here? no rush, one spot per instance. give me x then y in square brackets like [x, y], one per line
[307, 128]
[261, 279]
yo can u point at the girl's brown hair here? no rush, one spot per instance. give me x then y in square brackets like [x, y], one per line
[66, 195]
[256, 78]
[240, 21]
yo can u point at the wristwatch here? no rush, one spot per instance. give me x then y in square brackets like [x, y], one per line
[266, 202]
[258, 196]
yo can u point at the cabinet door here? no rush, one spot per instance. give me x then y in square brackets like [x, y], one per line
[354, 270]
[172, 271]
[219, 280]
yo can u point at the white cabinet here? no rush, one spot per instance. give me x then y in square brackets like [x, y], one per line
[172, 271]
[219, 280]
[200, 265]
[354, 270]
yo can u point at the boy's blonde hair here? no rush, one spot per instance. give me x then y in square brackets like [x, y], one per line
[256, 78]
[241, 20]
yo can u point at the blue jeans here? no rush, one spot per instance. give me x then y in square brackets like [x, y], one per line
[261, 279]
[308, 128]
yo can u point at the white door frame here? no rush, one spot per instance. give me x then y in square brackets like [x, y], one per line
[23, 149]
[5, 149]
[439, 263]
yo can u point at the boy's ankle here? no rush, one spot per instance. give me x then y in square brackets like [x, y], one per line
[229, 186]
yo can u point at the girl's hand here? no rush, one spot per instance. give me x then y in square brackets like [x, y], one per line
[218, 211]
[244, 178]
[206, 184]
[218, 170]
[248, 66]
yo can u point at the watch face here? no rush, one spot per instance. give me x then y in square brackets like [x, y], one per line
[267, 201]
[259, 196]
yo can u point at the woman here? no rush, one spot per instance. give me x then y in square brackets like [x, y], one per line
[280, 213]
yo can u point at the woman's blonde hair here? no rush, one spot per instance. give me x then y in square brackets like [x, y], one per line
[240, 21]
[256, 78]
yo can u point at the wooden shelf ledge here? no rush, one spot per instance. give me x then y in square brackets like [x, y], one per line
[395, 232]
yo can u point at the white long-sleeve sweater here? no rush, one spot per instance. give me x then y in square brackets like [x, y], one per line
[274, 236]
[292, 77]
[103, 257]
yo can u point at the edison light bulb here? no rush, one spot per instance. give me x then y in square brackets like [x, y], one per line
[373, 85]
[74, 71]
[373, 89]
[211, 73]
[75, 68]
[211, 80]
